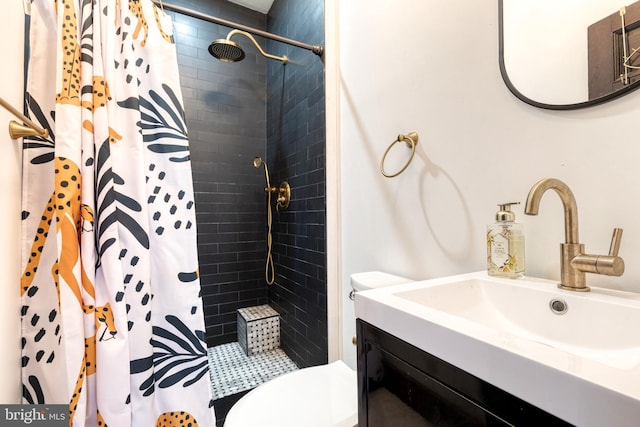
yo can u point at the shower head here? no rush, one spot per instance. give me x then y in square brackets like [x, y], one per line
[227, 50]
[258, 162]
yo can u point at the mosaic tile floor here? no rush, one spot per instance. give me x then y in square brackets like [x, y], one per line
[232, 371]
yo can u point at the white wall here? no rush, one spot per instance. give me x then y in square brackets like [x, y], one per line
[11, 84]
[432, 67]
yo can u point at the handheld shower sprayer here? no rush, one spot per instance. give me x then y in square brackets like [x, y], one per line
[258, 162]
[269, 272]
[284, 195]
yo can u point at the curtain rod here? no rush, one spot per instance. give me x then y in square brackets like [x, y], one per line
[317, 49]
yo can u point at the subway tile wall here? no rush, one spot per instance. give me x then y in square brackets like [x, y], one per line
[226, 117]
[296, 153]
[234, 113]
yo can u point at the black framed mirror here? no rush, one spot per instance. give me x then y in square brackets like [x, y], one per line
[550, 55]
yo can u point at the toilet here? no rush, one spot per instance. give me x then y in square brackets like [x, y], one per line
[319, 396]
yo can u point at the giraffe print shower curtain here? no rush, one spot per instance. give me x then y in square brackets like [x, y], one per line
[112, 321]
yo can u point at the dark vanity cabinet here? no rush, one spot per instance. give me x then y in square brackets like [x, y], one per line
[400, 385]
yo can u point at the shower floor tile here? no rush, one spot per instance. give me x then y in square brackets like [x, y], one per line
[232, 371]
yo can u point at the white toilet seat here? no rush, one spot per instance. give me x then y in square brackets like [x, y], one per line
[320, 396]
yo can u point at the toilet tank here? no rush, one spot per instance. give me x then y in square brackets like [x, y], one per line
[375, 279]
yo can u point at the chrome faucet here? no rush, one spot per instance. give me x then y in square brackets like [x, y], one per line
[574, 263]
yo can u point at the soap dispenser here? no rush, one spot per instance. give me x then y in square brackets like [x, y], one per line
[505, 244]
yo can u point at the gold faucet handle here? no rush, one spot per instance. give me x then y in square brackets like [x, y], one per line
[609, 265]
[615, 242]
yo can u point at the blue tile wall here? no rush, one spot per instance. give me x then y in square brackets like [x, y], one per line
[296, 153]
[252, 108]
[226, 117]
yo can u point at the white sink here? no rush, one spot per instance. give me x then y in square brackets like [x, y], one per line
[582, 366]
[597, 326]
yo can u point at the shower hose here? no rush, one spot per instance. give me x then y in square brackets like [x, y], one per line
[269, 272]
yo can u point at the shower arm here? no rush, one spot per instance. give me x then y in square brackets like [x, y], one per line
[284, 59]
[317, 49]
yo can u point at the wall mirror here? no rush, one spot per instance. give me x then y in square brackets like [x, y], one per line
[552, 51]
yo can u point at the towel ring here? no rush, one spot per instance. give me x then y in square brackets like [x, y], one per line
[411, 140]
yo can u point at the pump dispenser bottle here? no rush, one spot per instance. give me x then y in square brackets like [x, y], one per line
[505, 244]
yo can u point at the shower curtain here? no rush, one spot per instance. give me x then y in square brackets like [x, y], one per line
[112, 320]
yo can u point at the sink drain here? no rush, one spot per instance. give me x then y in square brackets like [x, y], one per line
[558, 306]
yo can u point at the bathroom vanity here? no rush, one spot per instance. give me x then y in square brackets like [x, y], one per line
[474, 350]
[399, 384]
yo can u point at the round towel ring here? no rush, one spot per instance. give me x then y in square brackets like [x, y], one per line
[411, 140]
